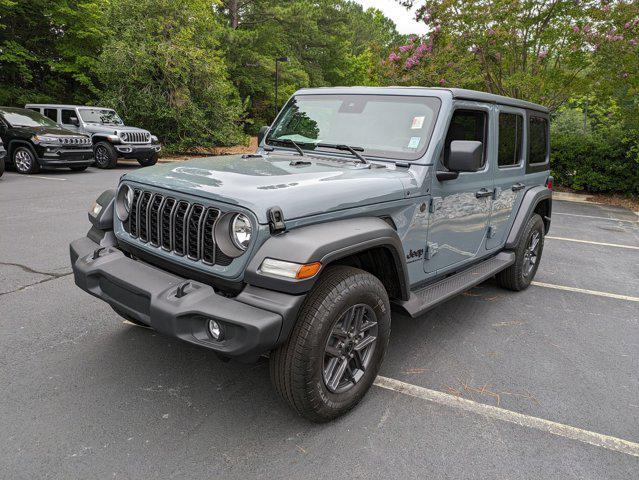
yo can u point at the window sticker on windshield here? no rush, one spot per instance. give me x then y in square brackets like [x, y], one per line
[414, 142]
[418, 122]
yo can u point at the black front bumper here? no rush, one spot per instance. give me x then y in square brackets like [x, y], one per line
[136, 151]
[252, 322]
[65, 157]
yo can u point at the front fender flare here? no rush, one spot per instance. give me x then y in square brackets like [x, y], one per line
[325, 243]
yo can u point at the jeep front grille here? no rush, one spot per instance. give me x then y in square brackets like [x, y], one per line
[184, 228]
[136, 137]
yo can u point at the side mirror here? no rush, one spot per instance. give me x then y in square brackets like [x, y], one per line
[74, 121]
[465, 156]
[262, 133]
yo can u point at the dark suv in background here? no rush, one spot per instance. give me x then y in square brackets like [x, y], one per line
[33, 141]
[3, 154]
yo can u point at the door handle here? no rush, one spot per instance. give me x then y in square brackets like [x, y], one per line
[518, 186]
[483, 193]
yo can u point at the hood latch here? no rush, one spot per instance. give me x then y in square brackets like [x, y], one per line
[276, 220]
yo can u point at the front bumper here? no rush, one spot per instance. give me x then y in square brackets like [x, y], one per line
[149, 295]
[134, 151]
[52, 156]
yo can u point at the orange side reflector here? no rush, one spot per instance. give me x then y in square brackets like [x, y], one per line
[308, 270]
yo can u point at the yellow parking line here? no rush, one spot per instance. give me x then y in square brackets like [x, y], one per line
[617, 245]
[589, 292]
[585, 436]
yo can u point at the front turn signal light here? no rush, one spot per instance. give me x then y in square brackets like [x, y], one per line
[280, 268]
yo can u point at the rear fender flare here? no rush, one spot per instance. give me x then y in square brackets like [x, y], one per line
[532, 198]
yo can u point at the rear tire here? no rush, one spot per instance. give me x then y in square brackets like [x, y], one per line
[105, 155]
[337, 345]
[1, 166]
[528, 252]
[25, 160]
[148, 161]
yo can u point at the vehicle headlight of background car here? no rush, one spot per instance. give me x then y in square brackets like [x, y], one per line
[76, 140]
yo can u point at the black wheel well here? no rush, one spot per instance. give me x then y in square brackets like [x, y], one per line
[16, 143]
[382, 263]
[543, 208]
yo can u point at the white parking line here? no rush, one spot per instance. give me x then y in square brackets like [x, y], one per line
[589, 292]
[46, 178]
[617, 245]
[585, 436]
[596, 217]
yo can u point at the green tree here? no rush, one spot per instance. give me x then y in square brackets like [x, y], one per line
[48, 49]
[162, 68]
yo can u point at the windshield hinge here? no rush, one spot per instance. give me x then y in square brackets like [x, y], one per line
[276, 220]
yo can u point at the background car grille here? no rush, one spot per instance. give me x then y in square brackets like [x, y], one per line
[177, 226]
[136, 137]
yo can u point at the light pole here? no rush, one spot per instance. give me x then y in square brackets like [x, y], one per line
[277, 75]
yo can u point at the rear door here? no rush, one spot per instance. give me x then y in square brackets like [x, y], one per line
[509, 172]
[460, 208]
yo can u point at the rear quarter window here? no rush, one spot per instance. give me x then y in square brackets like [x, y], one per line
[538, 141]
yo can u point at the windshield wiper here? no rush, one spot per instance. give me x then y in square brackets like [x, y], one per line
[348, 148]
[288, 141]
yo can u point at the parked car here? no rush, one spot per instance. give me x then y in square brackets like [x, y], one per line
[3, 154]
[111, 138]
[33, 141]
[358, 199]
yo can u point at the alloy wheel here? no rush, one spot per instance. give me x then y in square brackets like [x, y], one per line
[531, 254]
[101, 155]
[23, 160]
[349, 348]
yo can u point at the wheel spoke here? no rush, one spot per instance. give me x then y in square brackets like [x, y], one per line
[358, 319]
[364, 343]
[336, 378]
[367, 326]
[333, 351]
[359, 360]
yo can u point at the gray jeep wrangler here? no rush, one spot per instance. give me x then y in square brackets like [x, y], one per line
[111, 138]
[357, 200]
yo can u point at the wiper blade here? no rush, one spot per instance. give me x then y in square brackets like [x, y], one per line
[288, 141]
[348, 148]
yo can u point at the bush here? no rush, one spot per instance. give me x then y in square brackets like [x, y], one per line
[603, 158]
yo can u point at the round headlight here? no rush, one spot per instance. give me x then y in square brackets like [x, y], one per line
[123, 202]
[241, 231]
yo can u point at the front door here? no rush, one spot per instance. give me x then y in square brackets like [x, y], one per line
[460, 208]
[509, 172]
[65, 119]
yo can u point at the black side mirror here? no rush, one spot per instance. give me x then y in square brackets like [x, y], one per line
[465, 156]
[262, 133]
[74, 121]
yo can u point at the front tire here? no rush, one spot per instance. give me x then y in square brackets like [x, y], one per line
[105, 155]
[337, 345]
[25, 161]
[528, 252]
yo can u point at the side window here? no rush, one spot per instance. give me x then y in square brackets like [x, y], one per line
[510, 139]
[66, 116]
[537, 140]
[466, 125]
[52, 113]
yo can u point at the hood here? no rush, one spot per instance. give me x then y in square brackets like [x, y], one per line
[112, 129]
[28, 131]
[259, 183]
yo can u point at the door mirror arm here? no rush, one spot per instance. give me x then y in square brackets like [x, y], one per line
[444, 175]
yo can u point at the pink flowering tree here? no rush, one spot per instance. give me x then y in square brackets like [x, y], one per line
[542, 50]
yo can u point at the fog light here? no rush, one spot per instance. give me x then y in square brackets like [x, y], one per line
[214, 330]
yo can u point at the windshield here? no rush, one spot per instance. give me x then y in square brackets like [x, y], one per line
[390, 126]
[26, 118]
[100, 115]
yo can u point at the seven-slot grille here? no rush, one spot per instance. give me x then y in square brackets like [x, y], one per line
[136, 137]
[178, 226]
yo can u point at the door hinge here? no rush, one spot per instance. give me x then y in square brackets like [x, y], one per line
[491, 231]
[431, 250]
[496, 192]
[435, 204]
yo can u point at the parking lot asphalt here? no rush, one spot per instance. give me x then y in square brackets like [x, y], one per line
[86, 395]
